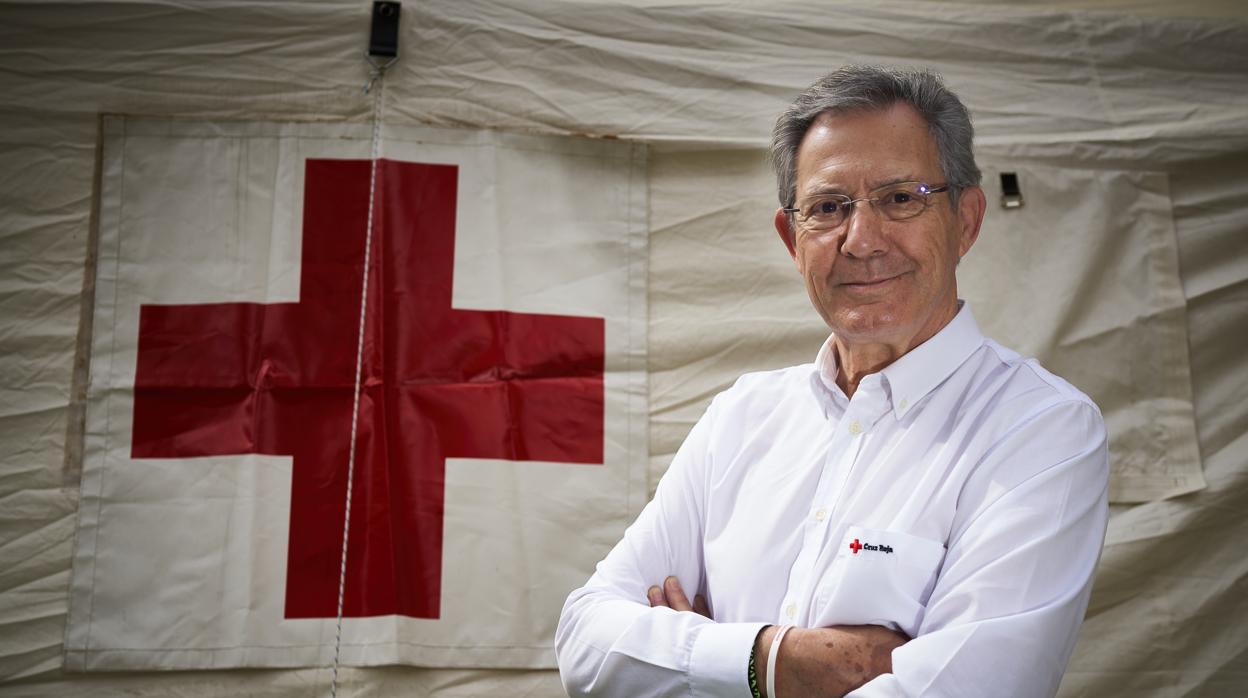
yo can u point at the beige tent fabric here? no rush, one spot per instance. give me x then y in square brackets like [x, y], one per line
[1064, 89]
[725, 297]
[1167, 611]
[1084, 275]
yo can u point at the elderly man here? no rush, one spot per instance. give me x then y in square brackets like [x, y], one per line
[917, 513]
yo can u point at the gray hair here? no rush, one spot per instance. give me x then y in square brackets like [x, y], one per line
[857, 87]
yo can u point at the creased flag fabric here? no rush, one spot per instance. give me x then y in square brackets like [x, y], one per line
[501, 433]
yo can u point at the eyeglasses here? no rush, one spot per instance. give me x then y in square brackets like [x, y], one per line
[896, 201]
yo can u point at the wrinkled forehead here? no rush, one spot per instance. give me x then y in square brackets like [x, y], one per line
[866, 148]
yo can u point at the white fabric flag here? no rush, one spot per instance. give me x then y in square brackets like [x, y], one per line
[501, 441]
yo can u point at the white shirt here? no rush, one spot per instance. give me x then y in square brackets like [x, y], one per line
[960, 497]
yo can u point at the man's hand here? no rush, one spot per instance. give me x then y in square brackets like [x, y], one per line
[673, 597]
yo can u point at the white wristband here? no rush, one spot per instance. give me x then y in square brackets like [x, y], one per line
[771, 660]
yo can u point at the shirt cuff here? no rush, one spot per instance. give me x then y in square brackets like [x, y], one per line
[719, 662]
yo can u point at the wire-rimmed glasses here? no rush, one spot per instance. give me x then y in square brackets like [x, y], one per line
[896, 202]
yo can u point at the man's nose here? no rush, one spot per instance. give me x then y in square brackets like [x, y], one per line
[864, 232]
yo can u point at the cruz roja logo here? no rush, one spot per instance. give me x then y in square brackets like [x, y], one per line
[856, 546]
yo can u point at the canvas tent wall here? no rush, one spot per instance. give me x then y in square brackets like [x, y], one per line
[1128, 127]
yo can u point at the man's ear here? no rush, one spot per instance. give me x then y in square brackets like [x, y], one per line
[785, 231]
[971, 206]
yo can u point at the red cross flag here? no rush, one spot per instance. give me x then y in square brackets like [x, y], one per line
[501, 438]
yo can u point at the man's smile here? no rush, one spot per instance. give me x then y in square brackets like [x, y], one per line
[871, 283]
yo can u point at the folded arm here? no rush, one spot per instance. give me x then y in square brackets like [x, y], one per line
[812, 661]
[1001, 619]
[827, 662]
[631, 630]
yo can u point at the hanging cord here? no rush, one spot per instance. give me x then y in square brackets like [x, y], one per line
[378, 72]
[377, 77]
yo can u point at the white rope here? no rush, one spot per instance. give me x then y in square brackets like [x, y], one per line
[376, 78]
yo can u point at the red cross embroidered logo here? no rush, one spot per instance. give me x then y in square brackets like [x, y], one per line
[437, 383]
[855, 546]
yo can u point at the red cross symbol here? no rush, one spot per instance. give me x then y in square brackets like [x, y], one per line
[232, 378]
[855, 546]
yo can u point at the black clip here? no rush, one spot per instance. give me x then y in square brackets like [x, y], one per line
[383, 39]
[1011, 194]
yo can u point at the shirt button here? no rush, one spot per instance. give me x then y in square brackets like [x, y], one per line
[790, 610]
[821, 515]
[904, 403]
[855, 427]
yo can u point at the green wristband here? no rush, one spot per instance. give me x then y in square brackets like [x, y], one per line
[752, 675]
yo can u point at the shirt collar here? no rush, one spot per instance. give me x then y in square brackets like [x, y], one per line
[920, 370]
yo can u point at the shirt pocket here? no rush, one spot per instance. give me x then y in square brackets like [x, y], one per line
[878, 577]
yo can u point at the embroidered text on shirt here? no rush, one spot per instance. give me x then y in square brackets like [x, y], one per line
[856, 546]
